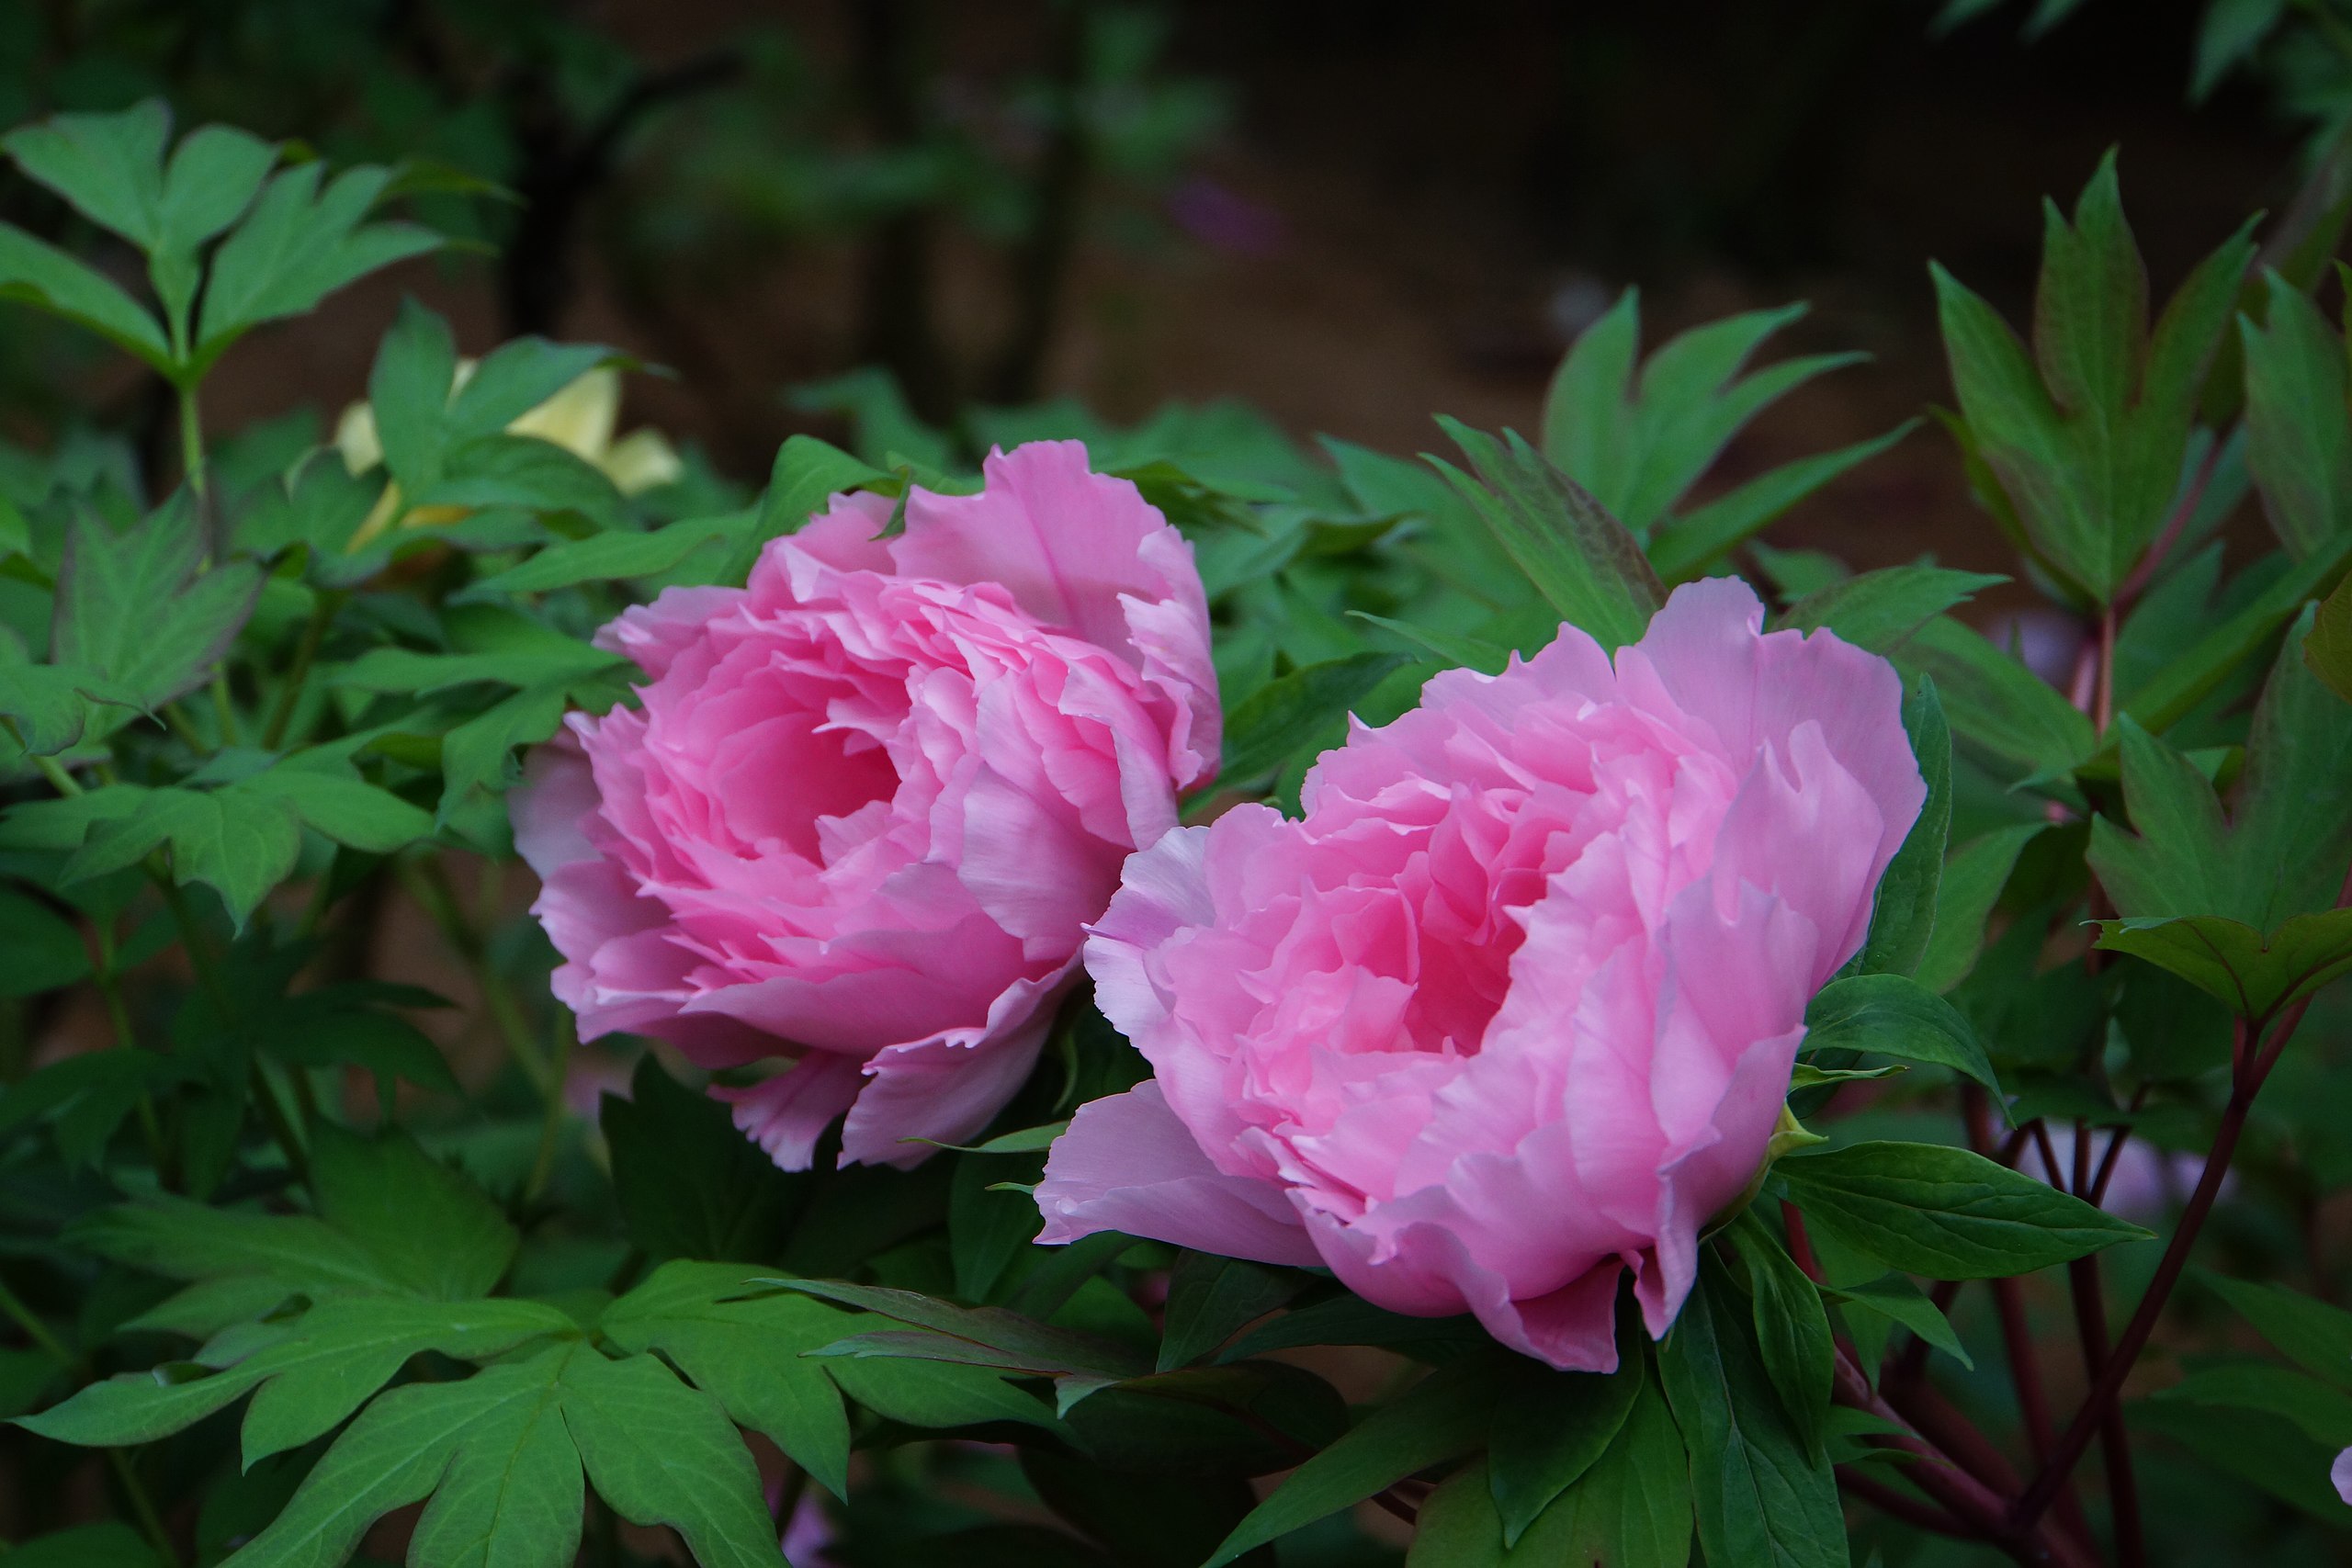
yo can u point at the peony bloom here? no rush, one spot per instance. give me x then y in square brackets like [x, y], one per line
[580, 419]
[869, 801]
[2340, 1472]
[1511, 1011]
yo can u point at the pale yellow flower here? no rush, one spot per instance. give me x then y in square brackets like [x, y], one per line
[580, 419]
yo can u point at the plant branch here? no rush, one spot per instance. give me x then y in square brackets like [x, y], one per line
[2250, 1067]
[314, 632]
[151, 1523]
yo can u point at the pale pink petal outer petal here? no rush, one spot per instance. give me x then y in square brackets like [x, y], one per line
[866, 804]
[1086, 552]
[946, 1088]
[2341, 1473]
[1127, 1164]
[1510, 1015]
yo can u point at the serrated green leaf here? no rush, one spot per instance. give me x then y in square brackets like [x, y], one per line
[1581, 560]
[45, 950]
[1944, 1213]
[299, 245]
[138, 608]
[239, 845]
[749, 1354]
[2000, 709]
[1756, 1497]
[185, 1240]
[35, 273]
[414, 1440]
[2086, 439]
[343, 807]
[2299, 434]
[1441, 1418]
[1684, 547]
[662, 1454]
[110, 166]
[2230, 32]
[1879, 609]
[1889, 1015]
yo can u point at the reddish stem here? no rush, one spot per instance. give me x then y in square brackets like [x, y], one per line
[1900, 1505]
[2250, 1069]
[2141, 575]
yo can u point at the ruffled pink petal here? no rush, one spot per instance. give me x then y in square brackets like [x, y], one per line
[788, 1113]
[1127, 1164]
[946, 1089]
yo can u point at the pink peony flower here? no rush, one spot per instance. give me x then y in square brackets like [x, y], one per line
[870, 800]
[1511, 1011]
[2340, 1472]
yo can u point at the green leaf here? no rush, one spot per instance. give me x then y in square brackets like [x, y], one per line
[1211, 1299]
[2327, 650]
[605, 557]
[2086, 439]
[1972, 879]
[2189, 676]
[299, 244]
[2310, 1333]
[689, 1183]
[110, 166]
[1888, 1015]
[661, 1453]
[138, 1407]
[2299, 434]
[54, 706]
[35, 273]
[939, 1395]
[1792, 1330]
[138, 608]
[1351, 1319]
[1273, 723]
[429, 1229]
[2324, 1412]
[1758, 1499]
[2266, 1451]
[2229, 35]
[985, 1336]
[1638, 449]
[751, 1355]
[112, 1544]
[1579, 557]
[1995, 704]
[240, 844]
[1879, 610]
[1683, 547]
[487, 1436]
[2242, 907]
[1443, 1417]
[341, 1352]
[1943, 1213]
[293, 1254]
[210, 181]
[1631, 1509]
[1550, 1433]
[1903, 911]
[338, 802]
[807, 474]
[1897, 1300]
[44, 949]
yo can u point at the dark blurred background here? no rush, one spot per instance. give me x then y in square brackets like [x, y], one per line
[1349, 213]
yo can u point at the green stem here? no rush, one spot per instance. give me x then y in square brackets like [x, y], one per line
[428, 884]
[322, 611]
[151, 1523]
[109, 983]
[43, 1339]
[281, 1126]
[176, 719]
[551, 1123]
[192, 442]
[224, 710]
[58, 779]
